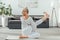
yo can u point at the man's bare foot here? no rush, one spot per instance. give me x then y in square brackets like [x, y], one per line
[23, 36]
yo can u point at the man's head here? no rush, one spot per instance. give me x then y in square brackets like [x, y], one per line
[25, 11]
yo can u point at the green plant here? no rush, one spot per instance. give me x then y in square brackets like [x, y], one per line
[4, 10]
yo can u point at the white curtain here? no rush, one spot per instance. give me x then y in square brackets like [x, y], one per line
[59, 17]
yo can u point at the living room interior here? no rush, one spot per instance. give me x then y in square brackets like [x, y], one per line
[11, 11]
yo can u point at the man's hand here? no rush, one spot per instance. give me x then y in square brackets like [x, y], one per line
[45, 16]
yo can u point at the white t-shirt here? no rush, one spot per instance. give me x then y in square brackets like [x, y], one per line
[29, 25]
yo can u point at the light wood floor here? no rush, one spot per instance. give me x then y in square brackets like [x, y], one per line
[45, 33]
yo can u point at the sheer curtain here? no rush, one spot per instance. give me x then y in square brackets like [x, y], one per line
[59, 12]
[59, 17]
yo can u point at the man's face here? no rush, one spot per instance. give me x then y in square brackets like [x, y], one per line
[24, 12]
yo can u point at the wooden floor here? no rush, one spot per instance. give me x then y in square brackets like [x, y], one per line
[45, 34]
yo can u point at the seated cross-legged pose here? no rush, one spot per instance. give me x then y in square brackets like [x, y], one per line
[29, 26]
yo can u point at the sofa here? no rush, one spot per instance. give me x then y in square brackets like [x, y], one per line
[15, 23]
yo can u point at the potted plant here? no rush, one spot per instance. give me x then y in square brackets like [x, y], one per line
[4, 12]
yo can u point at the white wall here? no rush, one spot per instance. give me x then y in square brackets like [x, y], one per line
[59, 12]
[0, 20]
[43, 5]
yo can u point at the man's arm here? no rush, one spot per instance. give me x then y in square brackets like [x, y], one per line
[43, 18]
